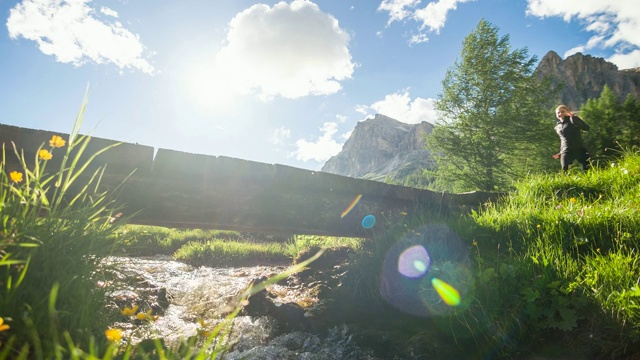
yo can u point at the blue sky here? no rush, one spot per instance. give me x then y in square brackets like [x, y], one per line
[269, 81]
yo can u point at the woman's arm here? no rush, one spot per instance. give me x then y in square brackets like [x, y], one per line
[579, 123]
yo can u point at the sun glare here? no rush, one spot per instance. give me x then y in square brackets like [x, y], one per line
[211, 88]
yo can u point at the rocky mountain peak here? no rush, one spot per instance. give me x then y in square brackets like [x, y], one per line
[381, 146]
[584, 76]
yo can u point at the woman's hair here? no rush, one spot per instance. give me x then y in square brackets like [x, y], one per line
[563, 107]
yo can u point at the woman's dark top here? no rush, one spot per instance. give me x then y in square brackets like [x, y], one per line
[569, 132]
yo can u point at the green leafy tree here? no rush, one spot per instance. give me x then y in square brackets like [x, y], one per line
[614, 125]
[493, 116]
[603, 116]
[631, 113]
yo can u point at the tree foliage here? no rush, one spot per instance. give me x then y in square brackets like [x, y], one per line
[493, 116]
[614, 124]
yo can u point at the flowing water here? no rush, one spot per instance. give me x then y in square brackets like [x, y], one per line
[197, 297]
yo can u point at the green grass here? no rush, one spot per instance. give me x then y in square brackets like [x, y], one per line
[553, 262]
[573, 240]
[218, 248]
[221, 253]
[141, 240]
[54, 229]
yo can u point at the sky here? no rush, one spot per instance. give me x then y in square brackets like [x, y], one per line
[278, 82]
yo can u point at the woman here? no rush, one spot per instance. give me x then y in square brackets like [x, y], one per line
[569, 128]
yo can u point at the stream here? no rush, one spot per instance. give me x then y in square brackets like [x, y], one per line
[189, 300]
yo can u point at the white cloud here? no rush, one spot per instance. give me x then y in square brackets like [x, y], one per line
[280, 135]
[289, 50]
[109, 12]
[614, 24]
[398, 9]
[362, 109]
[432, 17]
[400, 107]
[69, 31]
[626, 60]
[418, 39]
[322, 149]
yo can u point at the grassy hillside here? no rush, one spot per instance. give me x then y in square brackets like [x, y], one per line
[552, 269]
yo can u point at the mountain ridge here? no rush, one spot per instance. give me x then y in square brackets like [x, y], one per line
[582, 77]
[382, 146]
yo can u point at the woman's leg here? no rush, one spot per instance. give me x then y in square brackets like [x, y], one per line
[565, 160]
[583, 158]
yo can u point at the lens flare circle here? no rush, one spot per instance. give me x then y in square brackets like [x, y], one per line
[368, 221]
[427, 270]
[414, 262]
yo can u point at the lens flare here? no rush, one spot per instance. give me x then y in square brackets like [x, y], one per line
[368, 221]
[447, 292]
[351, 206]
[421, 268]
[414, 262]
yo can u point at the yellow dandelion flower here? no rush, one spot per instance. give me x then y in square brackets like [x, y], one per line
[129, 311]
[147, 316]
[113, 335]
[3, 326]
[56, 141]
[572, 200]
[44, 154]
[15, 176]
[538, 226]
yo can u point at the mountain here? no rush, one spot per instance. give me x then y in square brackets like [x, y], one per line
[584, 76]
[382, 147]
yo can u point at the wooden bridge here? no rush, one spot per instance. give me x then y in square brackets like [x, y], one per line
[184, 190]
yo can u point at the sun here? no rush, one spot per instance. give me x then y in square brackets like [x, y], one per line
[212, 87]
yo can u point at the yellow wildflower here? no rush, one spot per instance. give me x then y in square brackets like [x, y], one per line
[15, 176]
[538, 226]
[146, 316]
[56, 141]
[129, 311]
[3, 326]
[403, 213]
[572, 200]
[44, 154]
[113, 335]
